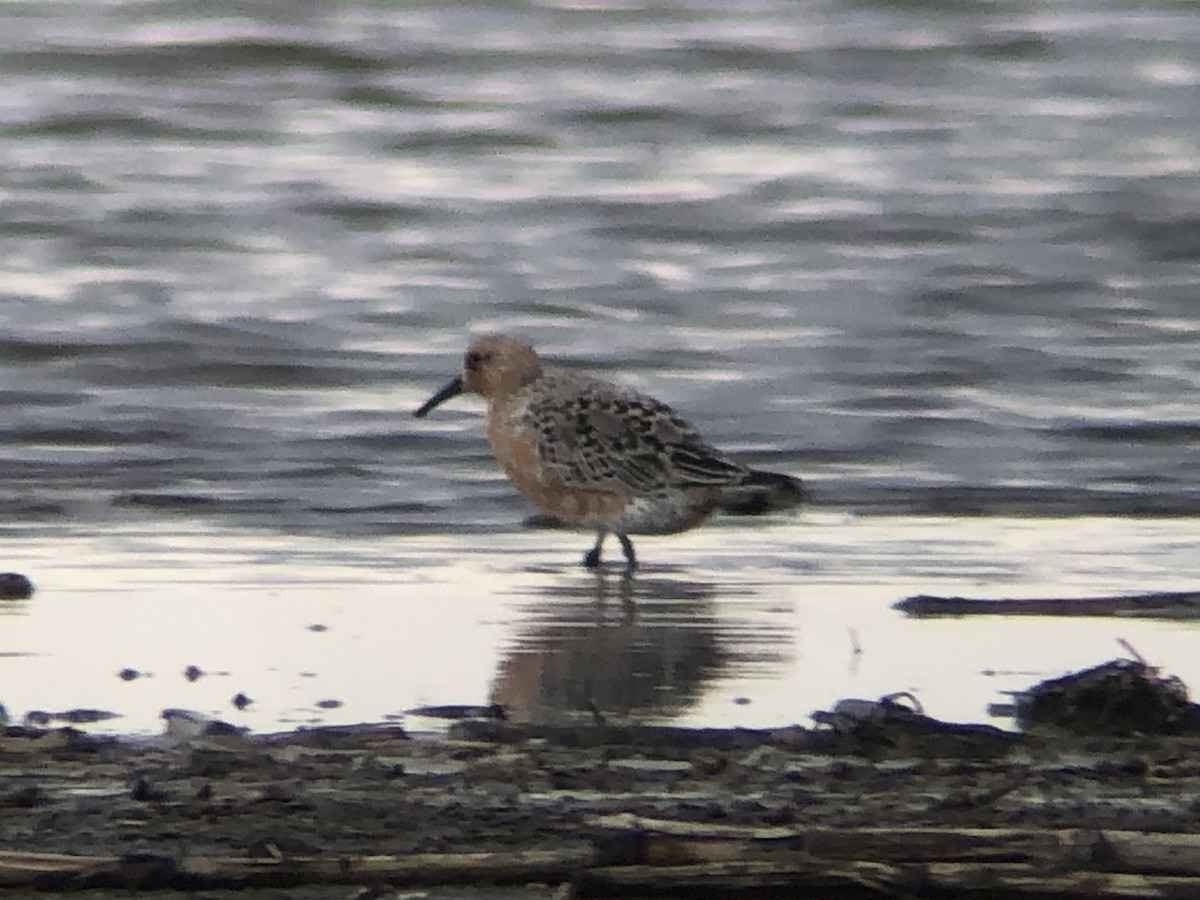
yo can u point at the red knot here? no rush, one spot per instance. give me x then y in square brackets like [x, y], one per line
[598, 456]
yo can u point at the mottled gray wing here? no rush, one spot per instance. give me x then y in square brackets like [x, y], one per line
[595, 435]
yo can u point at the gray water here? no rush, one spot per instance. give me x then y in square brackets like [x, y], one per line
[936, 258]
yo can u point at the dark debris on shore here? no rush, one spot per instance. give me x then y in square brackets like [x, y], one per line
[877, 801]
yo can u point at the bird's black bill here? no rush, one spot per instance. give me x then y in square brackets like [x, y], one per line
[453, 389]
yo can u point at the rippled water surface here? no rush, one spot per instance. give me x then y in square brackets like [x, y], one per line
[938, 259]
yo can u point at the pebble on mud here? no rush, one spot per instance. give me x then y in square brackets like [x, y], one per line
[240, 700]
[15, 586]
[186, 724]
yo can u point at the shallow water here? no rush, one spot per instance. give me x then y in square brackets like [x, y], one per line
[738, 624]
[938, 259]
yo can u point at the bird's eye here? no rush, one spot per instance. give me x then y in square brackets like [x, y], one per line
[475, 359]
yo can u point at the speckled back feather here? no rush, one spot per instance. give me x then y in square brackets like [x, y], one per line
[598, 436]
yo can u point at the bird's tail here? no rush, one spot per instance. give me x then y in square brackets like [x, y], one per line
[762, 492]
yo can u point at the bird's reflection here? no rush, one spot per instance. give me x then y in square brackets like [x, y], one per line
[624, 649]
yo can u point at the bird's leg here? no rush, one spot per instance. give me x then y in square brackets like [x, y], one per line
[591, 559]
[627, 546]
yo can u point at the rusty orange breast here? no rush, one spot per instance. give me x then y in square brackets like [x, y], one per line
[518, 455]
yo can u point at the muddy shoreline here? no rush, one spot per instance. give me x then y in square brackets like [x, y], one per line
[875, 804]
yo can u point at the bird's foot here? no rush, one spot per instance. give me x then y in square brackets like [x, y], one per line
[591, 559]
[630, 557]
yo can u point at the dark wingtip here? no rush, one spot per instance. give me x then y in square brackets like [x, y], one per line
[453, 389]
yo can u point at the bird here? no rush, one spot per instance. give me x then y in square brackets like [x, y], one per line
[598, 456]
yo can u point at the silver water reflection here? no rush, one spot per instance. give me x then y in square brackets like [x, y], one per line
[642, 648]
[791, 615]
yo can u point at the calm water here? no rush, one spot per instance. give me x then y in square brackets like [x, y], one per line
[939, 259]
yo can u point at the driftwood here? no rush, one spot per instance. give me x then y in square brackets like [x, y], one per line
[1164, 605]
[64, 872]
[671, 843]
[676, 858]
[878, 880]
